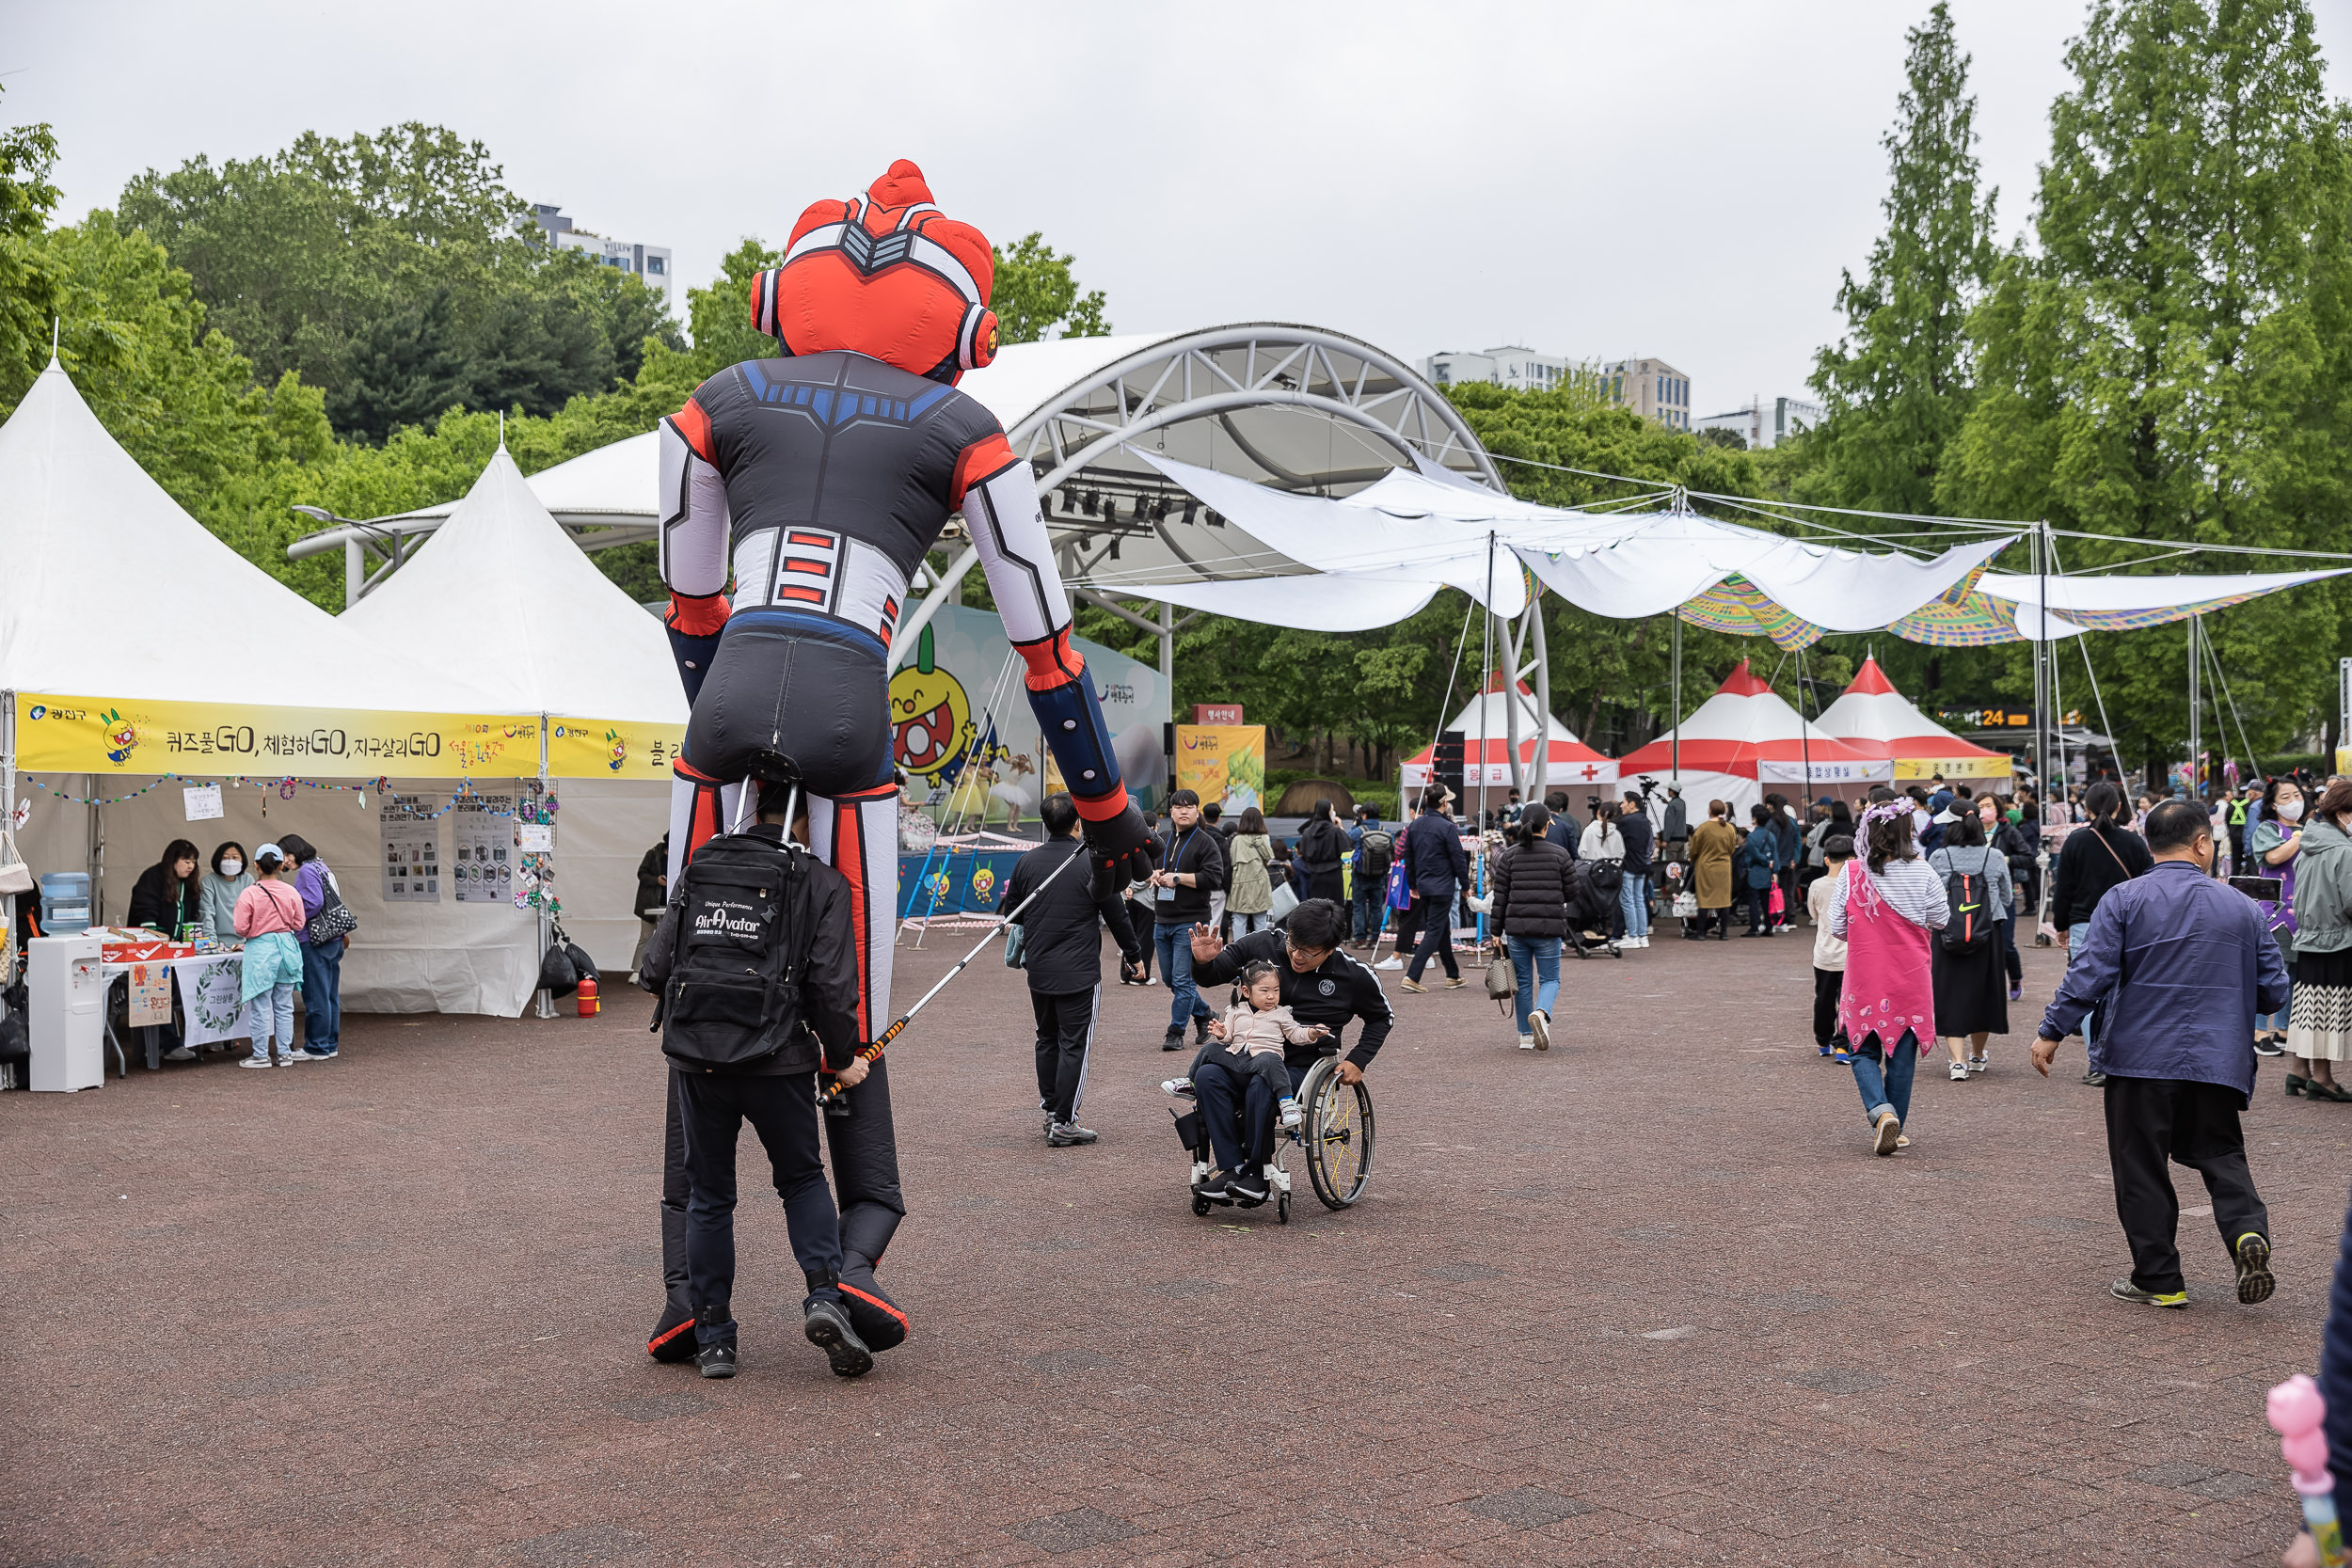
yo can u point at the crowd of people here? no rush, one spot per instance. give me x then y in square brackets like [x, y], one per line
[268, 907]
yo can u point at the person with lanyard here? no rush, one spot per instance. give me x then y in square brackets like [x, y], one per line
[1192, 866]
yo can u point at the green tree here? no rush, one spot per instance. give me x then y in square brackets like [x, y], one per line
[28, 276]
[1897, 386]
[2173, 361]
[1037, 293]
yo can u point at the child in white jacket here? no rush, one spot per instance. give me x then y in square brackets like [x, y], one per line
[1257, 1026]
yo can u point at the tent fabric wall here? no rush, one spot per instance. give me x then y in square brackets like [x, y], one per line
[405, 957]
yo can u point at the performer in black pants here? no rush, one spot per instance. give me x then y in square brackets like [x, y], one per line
[1063, 955]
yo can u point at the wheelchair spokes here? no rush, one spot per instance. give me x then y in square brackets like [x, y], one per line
[1339, 1139]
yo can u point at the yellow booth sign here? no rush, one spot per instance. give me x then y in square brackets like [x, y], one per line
[594, 748]
[1953, 767]
[103, 735]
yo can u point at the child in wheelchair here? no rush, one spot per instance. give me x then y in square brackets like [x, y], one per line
[1254, 1030]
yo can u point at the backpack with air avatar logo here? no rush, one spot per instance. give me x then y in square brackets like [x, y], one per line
[731, 998]
[1378, 847]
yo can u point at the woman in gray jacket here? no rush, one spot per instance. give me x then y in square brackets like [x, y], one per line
[2319, 1018]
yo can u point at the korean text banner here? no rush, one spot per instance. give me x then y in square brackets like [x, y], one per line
[104, 735]
[593, 749]
[1224, 763]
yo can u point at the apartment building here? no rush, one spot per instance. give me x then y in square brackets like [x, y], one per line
[1766, 421]
[1652, 388]
[650, 262]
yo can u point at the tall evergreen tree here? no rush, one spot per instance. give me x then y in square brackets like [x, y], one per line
[1897, 385]
[2172, 363]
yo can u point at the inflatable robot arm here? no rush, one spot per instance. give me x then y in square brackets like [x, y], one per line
[694, 537]
[1007, 528]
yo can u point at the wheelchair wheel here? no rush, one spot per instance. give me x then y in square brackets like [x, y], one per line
[1200, 1205]
[1339, 1135]
[1282, 1209]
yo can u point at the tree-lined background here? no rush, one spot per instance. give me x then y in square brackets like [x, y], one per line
[2164, 350]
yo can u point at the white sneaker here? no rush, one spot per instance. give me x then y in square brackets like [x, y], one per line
[1978, 1066]
[1390, 963]
[288, 1058]
[1960, 1072]
[1527, 1042]
[180, 1053]
[254, 1061]
[1291, 1114]
[1539, 1029]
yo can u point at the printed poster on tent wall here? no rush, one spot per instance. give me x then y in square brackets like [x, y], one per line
[411, 851]
[961, 729]
[484, 831]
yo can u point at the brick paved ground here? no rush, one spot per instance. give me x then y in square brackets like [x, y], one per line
[1643, 1299]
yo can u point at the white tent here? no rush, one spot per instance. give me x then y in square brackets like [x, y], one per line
[1872, 716]
[1745, 738]
[1487, 718]
[111, 594]
[502, 592]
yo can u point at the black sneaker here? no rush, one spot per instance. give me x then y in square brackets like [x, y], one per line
[1246, 1187]
[2123, 1290]
[1175, 1040]
[1067, 1133]
[2094, 1078]
[827, 1328]
[1215, 1187]
[672, 1337]
[1199, 1031]
[2254, 1282]
[2267, 1047]
[716, 1360]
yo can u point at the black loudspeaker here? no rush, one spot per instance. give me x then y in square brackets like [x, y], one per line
[1445, 762]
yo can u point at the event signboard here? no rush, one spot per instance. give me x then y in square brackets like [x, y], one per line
[601, 748]
[962, 730]
[128, 735]
[1225, 762]
[1998, 766]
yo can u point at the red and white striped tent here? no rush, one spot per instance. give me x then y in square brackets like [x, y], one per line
[1572, 762]
[1745, 737]
[1873, 717]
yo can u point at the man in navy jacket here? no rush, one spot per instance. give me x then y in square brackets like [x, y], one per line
[1437, 865]
[2180, 964]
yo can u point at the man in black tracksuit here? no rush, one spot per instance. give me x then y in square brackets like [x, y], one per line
[1321, 984]
[777, 1095]
[1062, 933]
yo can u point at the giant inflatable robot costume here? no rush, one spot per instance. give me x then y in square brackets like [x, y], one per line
[818, 480]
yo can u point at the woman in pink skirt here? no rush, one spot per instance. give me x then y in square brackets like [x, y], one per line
[1886, 905]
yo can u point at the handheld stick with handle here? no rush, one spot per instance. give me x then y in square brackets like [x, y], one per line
[2295, 1412]
[832, 1091]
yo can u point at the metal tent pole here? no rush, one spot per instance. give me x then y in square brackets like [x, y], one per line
[2196, 713]
[1486, 660]
[1543, 700]
[1673, 747]
[7, 825]
[2041, 658]
[546, 1002]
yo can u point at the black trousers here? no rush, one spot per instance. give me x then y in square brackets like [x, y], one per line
[1065, 1036]
[2152, 1119]
[712, 1109]
[1437, 938]
[1754, 900]
[1139, 915]
[1829, 986]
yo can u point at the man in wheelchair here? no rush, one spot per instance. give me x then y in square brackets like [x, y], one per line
[1320, 985]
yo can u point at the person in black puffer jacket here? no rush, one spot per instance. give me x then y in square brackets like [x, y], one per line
[1536, 882]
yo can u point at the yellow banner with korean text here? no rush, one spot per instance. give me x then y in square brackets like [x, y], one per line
[1223, 764]
[1953, 767]
[601, 748]
[110, 734]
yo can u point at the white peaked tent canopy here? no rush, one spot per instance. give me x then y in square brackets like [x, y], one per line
[1745, 738]
[501, 591]
[1873, 717]
[1489, 715]
[100, 569]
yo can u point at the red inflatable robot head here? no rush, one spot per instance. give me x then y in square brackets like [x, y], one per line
[884, 275]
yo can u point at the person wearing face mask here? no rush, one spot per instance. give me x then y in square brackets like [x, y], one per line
[2319, 1018]
[2273, 842]
[228, 878]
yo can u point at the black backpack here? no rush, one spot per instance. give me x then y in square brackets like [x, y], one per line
[1970, 927]
[1380, 850]
[732, 998]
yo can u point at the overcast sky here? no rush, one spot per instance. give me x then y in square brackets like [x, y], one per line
[1682, 179]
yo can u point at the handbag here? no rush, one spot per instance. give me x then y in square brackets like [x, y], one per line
[15, 875]
[334, 918]
[1777, 904]
[1285, 900]
[1502, 981]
